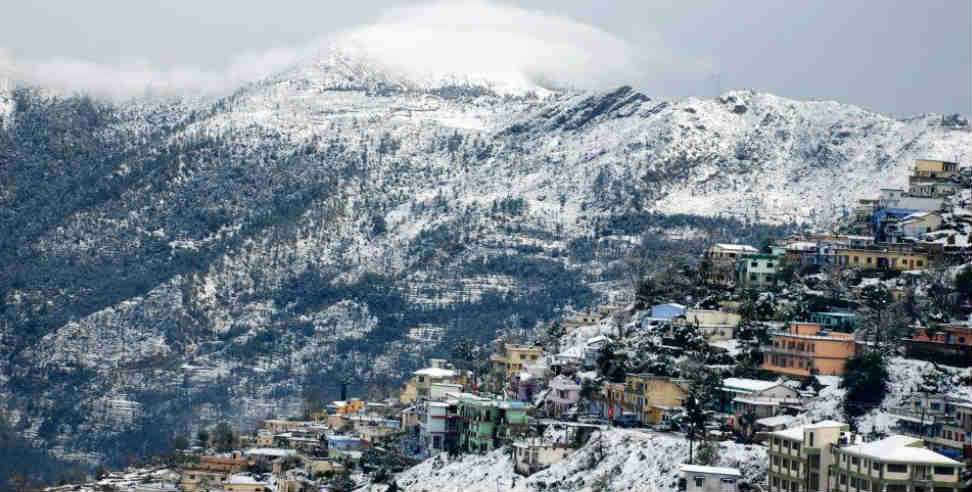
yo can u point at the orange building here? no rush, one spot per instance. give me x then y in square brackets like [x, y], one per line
[804, 349]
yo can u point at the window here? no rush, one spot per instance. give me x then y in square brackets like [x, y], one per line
[699, 481]
[855, 461]
[776, 482]
[811, 439]
[868, 260]
[920, 263]
[729, 480]
[843, 479]
[786, 464]
[776, 461]
[876, 465]
[893, 468]
[944, 470]
[864, 485]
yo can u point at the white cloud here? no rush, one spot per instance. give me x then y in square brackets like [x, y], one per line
[473, 37]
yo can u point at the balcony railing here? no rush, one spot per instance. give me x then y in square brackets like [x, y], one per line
[770, 349]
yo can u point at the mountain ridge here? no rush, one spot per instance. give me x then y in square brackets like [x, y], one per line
[177, 262]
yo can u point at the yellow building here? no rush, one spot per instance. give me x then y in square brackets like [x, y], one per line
[886, 257]
[511, 362]
[925, 168]
[196, 479]
[800, 458]
[244, 483]
[276, 426]
[313, 467]
[647, 395]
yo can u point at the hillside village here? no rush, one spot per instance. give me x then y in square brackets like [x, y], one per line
[834, 360]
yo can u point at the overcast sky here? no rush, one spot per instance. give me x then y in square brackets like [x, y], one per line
[898, 57]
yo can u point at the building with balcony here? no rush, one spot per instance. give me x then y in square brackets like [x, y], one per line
[926, 168]
[805, 349]
[894, 464]
[943, 423]
[563, 394]
[885, 257]
[488, 424]
[509, 363]
[647, 396]
[949, 343]
[721, 260]
[835, 320]
[754, 399]
[757, 270]
[439, 424]
[800, 457]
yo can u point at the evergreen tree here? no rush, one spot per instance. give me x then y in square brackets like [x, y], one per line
[866, 379]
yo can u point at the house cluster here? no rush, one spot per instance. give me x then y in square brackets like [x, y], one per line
[283, 454]
[447, 413]
[826, 456]
[905, 216]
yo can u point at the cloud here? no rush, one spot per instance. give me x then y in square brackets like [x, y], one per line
[474, 37]
[492, 40]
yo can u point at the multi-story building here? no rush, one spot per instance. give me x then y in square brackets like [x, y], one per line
[563, 394]
[805, 349]
[835, 320]
[757, 270]
[800, 457]
[721, 258]
[894, 464]
[745, 398]
[885, 257]
[648, 396]
[438, 426]
[511, 362]
[950, 343]
[941, 422]
[488, 424]
[926, 168]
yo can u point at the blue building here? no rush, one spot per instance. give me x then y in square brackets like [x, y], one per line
[667, 311]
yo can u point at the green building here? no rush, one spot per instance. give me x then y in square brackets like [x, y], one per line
[488, 424]
[835, 321]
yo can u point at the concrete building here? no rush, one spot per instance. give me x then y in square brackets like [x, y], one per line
[534, 454]
[714, 325]
[563, 394]
[800, 457]
[893, 198]
[667, 311]
[488, 424]
[835, 320]
[885, 257]
[950, 343]
[721, 260]
[439, 425]
[698, 478]
[757, 270]
[927, 168]
[805, 349]
[507, 365]
[894, 464]
[647, 396]
[756, 399]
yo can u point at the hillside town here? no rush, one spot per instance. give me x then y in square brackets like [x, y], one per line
[841, 360]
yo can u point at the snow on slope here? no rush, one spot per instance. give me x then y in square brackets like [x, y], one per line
[632, 460]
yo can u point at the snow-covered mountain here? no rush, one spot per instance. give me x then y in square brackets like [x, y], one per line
[180, 261]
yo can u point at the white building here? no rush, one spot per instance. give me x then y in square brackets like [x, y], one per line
[710, 478]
